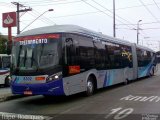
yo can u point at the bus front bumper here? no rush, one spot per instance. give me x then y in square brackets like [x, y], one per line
[54, 88]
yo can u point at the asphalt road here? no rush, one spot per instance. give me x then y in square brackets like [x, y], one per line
[140, 100]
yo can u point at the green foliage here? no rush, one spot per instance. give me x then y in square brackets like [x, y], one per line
[3, 44]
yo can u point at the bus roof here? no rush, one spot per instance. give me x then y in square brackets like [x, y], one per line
[145, 48]
[70, 29]
[78, 30]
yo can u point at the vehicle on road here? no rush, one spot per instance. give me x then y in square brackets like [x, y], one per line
[68, 59]
[5, 69]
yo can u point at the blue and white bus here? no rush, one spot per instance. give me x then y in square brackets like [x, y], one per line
[5, 61]
[68, 59]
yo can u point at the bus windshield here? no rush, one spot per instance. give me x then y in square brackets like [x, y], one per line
[34, 54]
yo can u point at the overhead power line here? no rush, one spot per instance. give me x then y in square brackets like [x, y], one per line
[102, 11]
[45, 18]
[129, 26]
[4, 4]
[46, 1]
[136, 6]
[149, 28]
[140, 29]
[156, 4]
[49, 4]
[110, 11]
[41, 19]
[149, 11]
[140, 24]
[18, 11]
[96, 8]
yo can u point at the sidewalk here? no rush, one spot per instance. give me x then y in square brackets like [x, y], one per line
[5, 94]
[5, 90]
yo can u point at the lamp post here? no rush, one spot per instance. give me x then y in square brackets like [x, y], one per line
[138, 30]
[114, 22]
[37, 18]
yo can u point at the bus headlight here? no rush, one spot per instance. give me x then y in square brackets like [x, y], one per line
[54, 77]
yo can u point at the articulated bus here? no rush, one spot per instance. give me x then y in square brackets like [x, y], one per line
[5, 61]
[68, 59]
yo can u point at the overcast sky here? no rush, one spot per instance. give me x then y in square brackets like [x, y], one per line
[95, 15]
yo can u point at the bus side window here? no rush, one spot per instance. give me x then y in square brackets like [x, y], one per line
[86, 53]
[100, 55]
[114, 55]
[126, 56]
[140, 57]
[70, 51]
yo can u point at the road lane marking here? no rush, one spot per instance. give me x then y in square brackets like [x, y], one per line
[119, 113]
[141, 98]
[15, 116]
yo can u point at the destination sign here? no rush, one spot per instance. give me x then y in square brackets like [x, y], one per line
[35, 41]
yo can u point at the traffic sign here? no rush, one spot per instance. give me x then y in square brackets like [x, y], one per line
[9, 19]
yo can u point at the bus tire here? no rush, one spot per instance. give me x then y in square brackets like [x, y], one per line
[7, 81]
[90, 86]
[126, 82]
[151, 72]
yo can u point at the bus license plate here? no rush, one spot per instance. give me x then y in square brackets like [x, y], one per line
[27, 92]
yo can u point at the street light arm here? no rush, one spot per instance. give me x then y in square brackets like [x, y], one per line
[139, 21]
[37, 18]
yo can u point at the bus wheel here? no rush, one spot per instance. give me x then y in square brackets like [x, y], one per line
[151, 72]
[90, 86]
[7, 81]
[126, 82]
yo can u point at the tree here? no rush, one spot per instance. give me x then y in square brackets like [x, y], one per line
[3, 44]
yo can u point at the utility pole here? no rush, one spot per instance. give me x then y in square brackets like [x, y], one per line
[138, 31]
[18, 19]
[159, 45]
[114, 21]
[18, 12]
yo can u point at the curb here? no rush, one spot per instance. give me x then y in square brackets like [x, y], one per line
[8, 97]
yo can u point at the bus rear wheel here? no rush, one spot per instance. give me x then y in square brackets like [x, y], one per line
[90, 87]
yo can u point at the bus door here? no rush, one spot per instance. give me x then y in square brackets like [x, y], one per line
[71, 56]
[135, 62]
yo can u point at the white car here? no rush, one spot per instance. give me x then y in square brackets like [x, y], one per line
[5, 69]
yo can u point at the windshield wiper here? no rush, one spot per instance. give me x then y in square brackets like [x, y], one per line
[41, 52]
[36, 63]
[25, 58]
